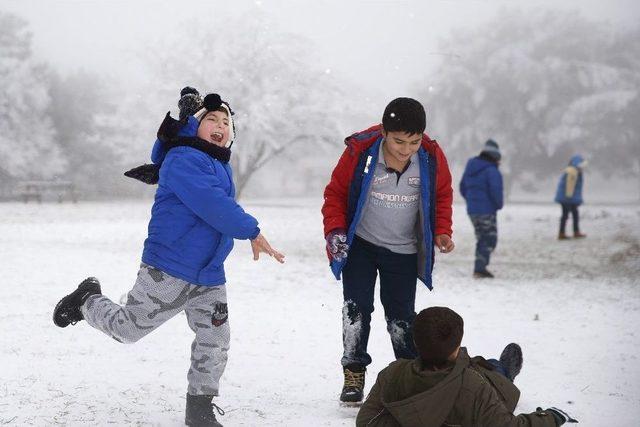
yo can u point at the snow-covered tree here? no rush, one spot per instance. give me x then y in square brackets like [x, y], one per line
[282, 100]
[84, 115]
[28, 149]
[545, 86]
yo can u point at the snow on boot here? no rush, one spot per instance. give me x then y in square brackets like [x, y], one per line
[511, 360]
[562, 236]
[579, 235]
[199, 412]
[68, 311]
[353, 388]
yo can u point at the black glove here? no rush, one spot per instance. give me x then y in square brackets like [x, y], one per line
[337, 244]
[560, 416]
[148, 173]
[190, 102]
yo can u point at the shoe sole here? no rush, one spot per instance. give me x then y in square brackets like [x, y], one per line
[55, 310]
[350, 404]
[519, 360]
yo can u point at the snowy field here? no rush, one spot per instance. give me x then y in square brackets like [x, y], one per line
[574, 306]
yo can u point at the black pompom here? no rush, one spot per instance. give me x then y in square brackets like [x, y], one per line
[212, 102]
[189, 90]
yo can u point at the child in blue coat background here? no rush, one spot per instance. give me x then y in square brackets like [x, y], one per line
[569, 195]
[194, 221]
[481, 187]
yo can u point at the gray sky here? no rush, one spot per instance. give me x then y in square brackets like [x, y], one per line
[398, 37]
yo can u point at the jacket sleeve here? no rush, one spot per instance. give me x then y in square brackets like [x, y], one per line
[572, 180]
[495, 188]
[491, 411]
[193, 182]
[158, 153]
[463, 185]
[372, 412]
[444, 195]
[336, 193]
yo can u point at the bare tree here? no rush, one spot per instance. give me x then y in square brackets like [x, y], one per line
[282, 100]
[27, 145]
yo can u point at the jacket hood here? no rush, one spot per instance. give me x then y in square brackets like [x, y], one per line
[434, 405]
[477, 165]
[576, 160]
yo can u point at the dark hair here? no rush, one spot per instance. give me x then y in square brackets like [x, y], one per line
[404, 115]
[437, 332]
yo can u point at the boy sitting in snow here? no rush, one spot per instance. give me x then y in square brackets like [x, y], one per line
[443, 386]
[194, 220]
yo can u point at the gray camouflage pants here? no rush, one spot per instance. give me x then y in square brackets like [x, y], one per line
[486, 230]
[155, 298]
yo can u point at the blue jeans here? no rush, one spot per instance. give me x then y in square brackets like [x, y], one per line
[398, 278]
[486, 230]
[573, 209]
[497, 366]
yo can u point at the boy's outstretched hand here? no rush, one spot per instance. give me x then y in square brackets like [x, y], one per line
[260, 244]
[444, 243]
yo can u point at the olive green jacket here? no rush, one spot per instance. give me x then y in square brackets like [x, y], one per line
[468, 394]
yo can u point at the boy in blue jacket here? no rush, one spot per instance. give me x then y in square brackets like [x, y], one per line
[481, 187]
[194, 220]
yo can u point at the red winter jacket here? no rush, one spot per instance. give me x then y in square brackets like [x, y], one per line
[336, 194]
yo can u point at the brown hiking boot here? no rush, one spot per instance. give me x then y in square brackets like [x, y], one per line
[579, 235]
[562, 236]
[353, 388]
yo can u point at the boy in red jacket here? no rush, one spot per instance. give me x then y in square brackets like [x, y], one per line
[387, 206]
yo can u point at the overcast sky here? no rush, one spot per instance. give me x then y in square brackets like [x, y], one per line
[384, 45]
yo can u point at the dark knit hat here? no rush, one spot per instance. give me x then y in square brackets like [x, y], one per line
[491, 149]
[404, 115]
[437, 333]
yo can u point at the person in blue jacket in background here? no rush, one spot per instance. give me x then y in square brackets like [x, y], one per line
[569, 195]
[481, 187]
[194, 221]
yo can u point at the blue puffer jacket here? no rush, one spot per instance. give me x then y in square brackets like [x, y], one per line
[481, 187]
[569, 189]
[194, 218]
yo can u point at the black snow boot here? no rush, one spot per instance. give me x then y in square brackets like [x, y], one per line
[353, 388]
[68, 309]
[486, 274]
[511, 360]
[199, 412]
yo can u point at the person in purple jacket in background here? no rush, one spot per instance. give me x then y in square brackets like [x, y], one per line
[481, 187]
[194, 221]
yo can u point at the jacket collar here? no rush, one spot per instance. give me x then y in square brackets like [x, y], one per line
[223, 154]
[424, 402]
[361, 141]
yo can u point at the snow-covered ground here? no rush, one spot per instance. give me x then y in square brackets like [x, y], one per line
[574, 306]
